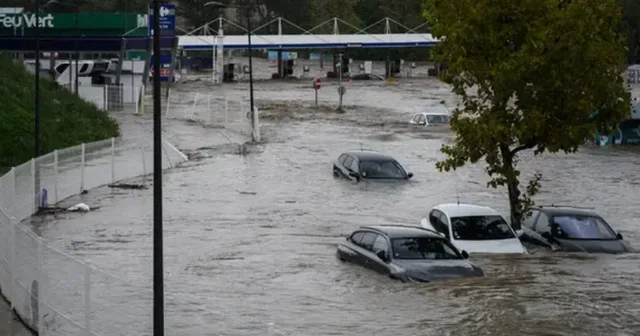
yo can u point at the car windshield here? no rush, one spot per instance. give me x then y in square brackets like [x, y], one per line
[382, 170]
[582, 227]
[436, 119]
[423, 248]
[480, 228]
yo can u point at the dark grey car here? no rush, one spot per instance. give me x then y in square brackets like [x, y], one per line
[407, 253]
[367, 165]
[571, 230]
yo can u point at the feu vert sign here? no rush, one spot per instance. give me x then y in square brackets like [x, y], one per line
[26, 20]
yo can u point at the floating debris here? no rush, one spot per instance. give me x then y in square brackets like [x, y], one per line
[127, 186]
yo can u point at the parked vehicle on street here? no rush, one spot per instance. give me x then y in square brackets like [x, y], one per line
[473, 228]
[430, 119]
[571, 229]
[406, 253]
[367, 76]
[368, 165]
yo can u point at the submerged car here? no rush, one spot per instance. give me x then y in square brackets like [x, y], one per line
[368, 165]
[406, 253]
[473, 228]
[571, 229]
[431, 119]
[367, 76]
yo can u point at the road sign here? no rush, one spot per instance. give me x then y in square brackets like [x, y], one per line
[342, 90]
[317, 83]
[167, 20]
[165, 68]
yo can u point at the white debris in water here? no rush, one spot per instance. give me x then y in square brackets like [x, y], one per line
[79, 207]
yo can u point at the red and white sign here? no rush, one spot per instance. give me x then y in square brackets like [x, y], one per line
[317, 83]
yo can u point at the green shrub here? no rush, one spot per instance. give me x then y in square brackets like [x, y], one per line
[65, 119]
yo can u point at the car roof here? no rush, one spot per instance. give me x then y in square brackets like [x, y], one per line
[565, 210]
[460, 210]
[370, 155]
[402, 231]
[435, 113]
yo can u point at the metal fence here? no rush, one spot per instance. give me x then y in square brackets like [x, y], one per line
[110, 97]
[214, 111]
[50, 290]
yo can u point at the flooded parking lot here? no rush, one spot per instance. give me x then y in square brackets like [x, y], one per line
[251, 239]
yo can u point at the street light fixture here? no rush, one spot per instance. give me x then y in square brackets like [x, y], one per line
[76, 6]
[248, 13]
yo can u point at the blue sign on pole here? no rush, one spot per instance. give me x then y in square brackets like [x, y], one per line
[165, 68]
[167, 20]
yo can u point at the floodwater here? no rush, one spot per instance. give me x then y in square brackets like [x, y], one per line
[251, 239]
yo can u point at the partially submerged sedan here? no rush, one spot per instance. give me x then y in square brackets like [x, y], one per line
[474, 228]
[572, 230]
[368, 165]
[406, 253]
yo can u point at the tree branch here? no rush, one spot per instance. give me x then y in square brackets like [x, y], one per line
[528, 145]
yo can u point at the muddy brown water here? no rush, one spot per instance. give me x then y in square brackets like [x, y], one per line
[251, 239]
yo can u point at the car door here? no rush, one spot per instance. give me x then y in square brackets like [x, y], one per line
[543, 229]
[366, 247]
[349, 251]
[346, 166]
[381, 243]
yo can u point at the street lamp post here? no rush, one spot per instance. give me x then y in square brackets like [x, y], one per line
[249, 49]
[37, 88]
[76, 6]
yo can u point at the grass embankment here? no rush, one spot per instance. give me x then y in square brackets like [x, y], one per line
[65, 119]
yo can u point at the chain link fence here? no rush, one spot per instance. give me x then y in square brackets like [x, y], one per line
[53, 292]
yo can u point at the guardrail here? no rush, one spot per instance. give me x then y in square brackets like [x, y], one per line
[55, 293]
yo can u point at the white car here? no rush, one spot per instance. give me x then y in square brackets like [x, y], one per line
[431, 118]
[473, 228]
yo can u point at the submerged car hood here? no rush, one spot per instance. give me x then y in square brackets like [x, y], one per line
[593, 246]
[431, 270]
[490, 246]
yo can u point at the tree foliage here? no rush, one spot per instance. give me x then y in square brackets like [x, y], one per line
[530, 73]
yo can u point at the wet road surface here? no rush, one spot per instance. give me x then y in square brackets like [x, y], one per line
[251, 239]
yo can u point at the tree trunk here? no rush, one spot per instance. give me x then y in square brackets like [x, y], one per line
[512, 187]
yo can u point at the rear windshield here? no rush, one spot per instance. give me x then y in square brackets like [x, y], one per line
[481, 228]
[423, 248]
[438, 119]
[582, 227]
[382, 170]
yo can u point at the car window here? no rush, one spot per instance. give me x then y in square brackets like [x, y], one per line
[542, 224]
[481, 228]
[416, 118]
[423, 248]
[348, 161]
[438, 119]
[582, 227]
[529, 220]
[444, 225]
[367, 241]
[354, 165]
[342, 158]
[357, 237]
[382, 170]
[380, 244]
[422, 119]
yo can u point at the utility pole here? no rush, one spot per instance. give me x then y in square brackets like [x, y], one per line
[158, 266]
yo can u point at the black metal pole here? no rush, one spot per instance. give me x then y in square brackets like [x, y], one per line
[158, 272]
[250, 69]
[37, 88]
[75, 84]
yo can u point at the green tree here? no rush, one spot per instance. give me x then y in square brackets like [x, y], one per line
[530, 75]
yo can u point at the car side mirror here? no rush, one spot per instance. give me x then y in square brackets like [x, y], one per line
[465, 254]
[619, 236]
[382, 255]
[546, 235]
[409, 175]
